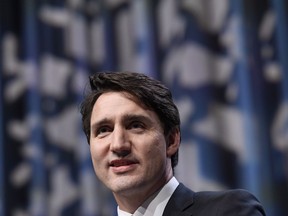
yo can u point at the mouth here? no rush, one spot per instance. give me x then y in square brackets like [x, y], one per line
[121, 162]
[122, 165]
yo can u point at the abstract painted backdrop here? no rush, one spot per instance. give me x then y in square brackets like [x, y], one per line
[226, 63]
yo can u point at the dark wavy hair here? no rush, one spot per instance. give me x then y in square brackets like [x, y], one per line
[148, 91]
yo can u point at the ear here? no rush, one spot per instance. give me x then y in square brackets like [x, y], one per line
[173, 141]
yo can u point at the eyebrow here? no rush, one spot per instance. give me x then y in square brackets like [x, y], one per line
[100, 122]
[125, 118]
[135, 117]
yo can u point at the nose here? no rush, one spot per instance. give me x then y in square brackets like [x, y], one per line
[120, 144]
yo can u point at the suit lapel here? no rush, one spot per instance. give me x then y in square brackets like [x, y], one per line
[180, 202]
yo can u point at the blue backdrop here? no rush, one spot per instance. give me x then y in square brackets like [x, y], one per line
[225, 61]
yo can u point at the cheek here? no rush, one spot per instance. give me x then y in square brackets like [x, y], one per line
[96, 153]
[157, 149]
[98, 161]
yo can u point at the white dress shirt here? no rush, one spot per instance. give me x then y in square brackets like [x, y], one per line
[155, 204]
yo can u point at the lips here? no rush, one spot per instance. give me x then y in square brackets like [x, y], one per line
[122, 166]
[121, 162]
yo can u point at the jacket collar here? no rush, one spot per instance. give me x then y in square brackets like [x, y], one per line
[181, 200]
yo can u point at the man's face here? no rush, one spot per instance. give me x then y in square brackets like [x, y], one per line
[128, 146]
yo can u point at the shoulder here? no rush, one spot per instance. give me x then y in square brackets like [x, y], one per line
[237, 201]
[230, 195]
[230, 202]
[234, 194]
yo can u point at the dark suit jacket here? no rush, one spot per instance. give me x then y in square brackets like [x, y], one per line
[184, 202]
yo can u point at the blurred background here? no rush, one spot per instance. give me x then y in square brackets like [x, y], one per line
[226, 63]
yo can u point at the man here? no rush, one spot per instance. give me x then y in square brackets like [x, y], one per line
[133, 128]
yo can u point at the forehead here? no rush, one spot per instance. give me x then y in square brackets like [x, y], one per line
[116, 102]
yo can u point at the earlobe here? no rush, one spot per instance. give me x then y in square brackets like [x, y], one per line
[173, 141]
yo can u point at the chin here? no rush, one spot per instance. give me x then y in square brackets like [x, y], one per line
[126, 185]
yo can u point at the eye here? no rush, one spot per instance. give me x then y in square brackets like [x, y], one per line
[102, 131]
[136, 125]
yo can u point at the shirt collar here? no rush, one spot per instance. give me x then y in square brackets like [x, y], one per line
[155, 204]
